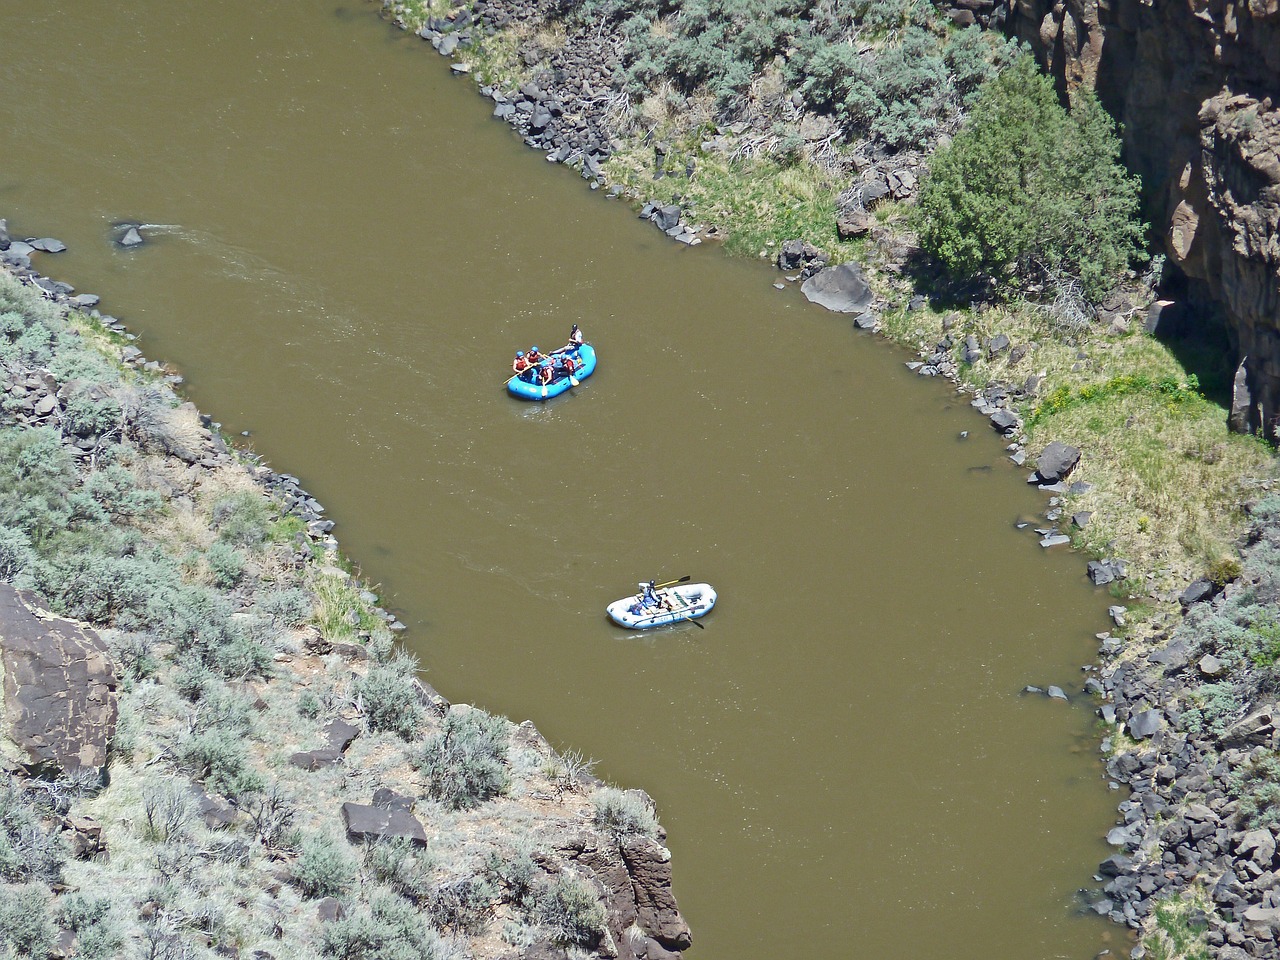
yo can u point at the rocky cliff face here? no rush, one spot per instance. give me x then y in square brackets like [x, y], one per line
[1196, 85]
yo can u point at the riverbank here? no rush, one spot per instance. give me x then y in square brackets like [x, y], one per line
[213, 746]
[1145, 479]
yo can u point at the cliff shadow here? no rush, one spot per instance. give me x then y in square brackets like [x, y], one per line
[1195, 330]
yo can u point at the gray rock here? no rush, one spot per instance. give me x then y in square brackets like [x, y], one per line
[1196, 591]
[59, 686]
[1258, 845]
[49, 245]
[1144, 724]
[20, 248]
[1057, 461]
[972, 352]
[447, 44]
[867, 321]
[667, 217]
[1173, 656]
[366, 822]
[131, 238]
[1211, 666]
[1057, 693]
[842, 289]
[1116, 613]
[997, 345]
[1081, 520]
[1004, 421]
[1055, 540]
[330, 909]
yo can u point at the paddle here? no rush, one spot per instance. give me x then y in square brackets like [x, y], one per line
[695, 623]
[672, 583]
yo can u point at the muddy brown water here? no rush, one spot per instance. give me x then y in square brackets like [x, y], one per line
[348, 250]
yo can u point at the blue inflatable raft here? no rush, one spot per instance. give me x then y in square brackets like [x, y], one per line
[585, 355]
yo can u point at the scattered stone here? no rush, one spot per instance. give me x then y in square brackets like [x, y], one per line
[1210, 666]
[842, 289]
[1004, 421]
[1056, 461]
[131, 238]
[1057, 693]
[1196, 591]
[367, 822]
[48, 245]
[1055, 540]
[1144, 724]
[1081, 520]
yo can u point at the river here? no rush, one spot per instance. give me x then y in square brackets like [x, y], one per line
[347, 251]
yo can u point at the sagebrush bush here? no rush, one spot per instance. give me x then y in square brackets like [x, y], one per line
[242, 518]
[220, 759]
[289, 607]
[30, 850]
[26, 929]
[401, 867]
[460, 905]
[465, 763]
[323, 868]
[16, 554]
[389, 929]
[571, 910]
[621, 813]
[226, 564]
[388, 698]
[94, 921]
[168, 812]
[1257, 788]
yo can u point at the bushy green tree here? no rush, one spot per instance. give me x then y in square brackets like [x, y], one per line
[1028, 190]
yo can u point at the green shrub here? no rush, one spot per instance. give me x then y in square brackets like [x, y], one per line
[133, 654]
[289, 607]
[87, 416]
[622, 813]
[323, 868]
[26, 929]
[98, 931]
[460, 905]
[241, 518]
[28, 850]
[1028, 187]
[465, 763]
[516, 873]
[571, 910]
[16, 554]
[219, 757]
[388, 698]
[1218, 705]
[226, 564]
[389, 930]
[168, 812]
[1257, 788]
[398, 865]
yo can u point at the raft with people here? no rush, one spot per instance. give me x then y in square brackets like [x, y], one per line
[656, 605]
[539, 376]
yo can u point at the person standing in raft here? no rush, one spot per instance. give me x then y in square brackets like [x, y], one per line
[575, 341]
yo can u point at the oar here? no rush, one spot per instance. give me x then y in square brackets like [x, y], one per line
[694, 622]
[672, 583]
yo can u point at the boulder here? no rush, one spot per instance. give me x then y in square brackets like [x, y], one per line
[649, 864]
[59, 686]
[1196, 591]
[366, 822]
[1210, 666]
[49, 245]
[1258, 846]
[1144, 724]
[667, 217]
[841, 288]
[1056, 461]
[131, 238]
[1004, 421]
[854, 224]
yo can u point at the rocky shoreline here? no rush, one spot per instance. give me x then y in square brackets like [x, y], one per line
[1195, 869]
[292, 780]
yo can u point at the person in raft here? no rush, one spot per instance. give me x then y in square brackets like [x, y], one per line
[565, 366]
[520, 365]
[575, 341]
